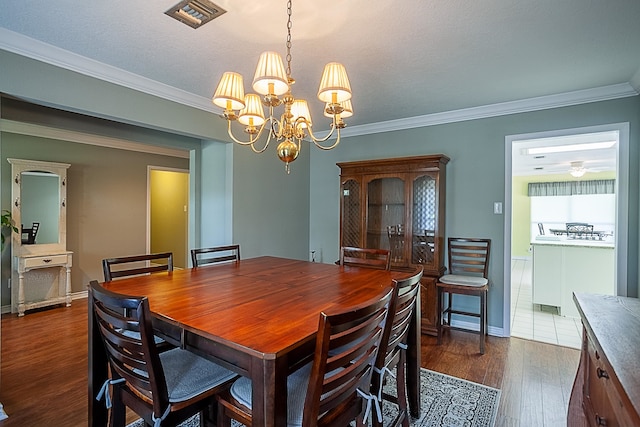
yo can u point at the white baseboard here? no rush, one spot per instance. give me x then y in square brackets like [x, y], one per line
[74, 296]
[494, 331]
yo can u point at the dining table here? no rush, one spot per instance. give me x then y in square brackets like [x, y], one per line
[257, 317]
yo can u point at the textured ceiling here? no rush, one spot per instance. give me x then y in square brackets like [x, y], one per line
[405, 59]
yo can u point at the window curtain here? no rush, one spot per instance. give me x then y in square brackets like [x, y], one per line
[572, 188]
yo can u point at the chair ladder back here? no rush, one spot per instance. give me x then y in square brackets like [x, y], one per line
[365, 257]
[469, 256]
[354, 336]
[215, 255]
[132, 356]
[400, 314]
[110, 273]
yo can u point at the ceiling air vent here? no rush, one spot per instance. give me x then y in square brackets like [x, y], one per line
[195, 13]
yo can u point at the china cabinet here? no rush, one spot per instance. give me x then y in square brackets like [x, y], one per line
[41, 263]
[399, 204]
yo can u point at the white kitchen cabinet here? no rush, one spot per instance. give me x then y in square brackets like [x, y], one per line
[563, 267]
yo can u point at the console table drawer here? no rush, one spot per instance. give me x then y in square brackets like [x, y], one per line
[45, 261]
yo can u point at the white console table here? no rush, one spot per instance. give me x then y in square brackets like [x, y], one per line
[41, 266]
[43, 280]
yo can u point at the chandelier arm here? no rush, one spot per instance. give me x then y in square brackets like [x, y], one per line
[334, 145]
[316, 141]
[252, 139]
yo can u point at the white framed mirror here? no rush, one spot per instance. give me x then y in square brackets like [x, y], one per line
[38, 202]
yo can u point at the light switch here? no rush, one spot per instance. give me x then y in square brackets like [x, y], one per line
[497, 208]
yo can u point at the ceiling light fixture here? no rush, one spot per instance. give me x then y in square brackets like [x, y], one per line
[271, 81]
[577, 169]
[571, 147]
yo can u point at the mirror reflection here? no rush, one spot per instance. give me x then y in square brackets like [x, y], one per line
[40, 207]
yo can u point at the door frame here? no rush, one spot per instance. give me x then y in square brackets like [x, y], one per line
[189, 206]
[622, 206]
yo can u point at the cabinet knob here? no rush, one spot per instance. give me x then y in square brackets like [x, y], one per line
[601, 421]
[601, 373]
[46, 260]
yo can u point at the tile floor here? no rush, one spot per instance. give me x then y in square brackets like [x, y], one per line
[531, 321]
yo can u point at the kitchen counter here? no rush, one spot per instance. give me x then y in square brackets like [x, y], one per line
[563, 266]
[565, 241]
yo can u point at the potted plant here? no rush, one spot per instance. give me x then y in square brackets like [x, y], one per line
[7, 222]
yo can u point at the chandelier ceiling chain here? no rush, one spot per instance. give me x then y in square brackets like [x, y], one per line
[289, 26]
[273, 82]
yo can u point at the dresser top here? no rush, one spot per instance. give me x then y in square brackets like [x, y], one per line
[614, 322]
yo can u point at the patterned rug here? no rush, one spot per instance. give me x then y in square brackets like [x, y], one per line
[446, 402]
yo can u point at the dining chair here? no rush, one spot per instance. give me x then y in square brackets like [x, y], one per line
[395, 233]
[162, 388]
[332, 389]
[365, 257]
[29, 234]
[468, 275]
[393, 348]
[215, 254]
[134, 270]
[161, 262]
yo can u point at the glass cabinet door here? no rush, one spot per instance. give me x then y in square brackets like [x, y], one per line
[386, 215]
[351, 214]
[425, 221]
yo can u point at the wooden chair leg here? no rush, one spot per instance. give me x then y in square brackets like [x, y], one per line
[401, 389]
[449, 305]
[483, 320]
[222, 420]
[439, 315]
[118, 409]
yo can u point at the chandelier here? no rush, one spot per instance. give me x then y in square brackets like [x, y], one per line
[274, 84]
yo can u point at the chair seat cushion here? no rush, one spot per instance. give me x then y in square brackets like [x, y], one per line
[188, 375]
[459, 279]
[297, 384]
[136, 335]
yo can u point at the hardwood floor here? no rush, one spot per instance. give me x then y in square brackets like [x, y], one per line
[44, 370]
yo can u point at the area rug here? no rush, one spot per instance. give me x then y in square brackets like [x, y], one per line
[446, 402]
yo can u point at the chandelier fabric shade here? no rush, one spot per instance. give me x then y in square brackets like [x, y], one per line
[230, 92]
[270, 71]
[253, 113]
[300, 108]
[334, 85]
[273, 81]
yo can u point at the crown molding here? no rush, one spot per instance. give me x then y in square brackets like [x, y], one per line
[602, 93]
[30, 129]
[635, 81]
[35, 49]
[44, 52]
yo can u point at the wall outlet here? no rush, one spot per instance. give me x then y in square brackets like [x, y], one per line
[497, 208]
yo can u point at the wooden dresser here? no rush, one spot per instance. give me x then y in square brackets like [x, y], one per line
[606, 391]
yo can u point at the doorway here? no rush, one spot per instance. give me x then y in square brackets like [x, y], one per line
[168, 213]
[518, 266]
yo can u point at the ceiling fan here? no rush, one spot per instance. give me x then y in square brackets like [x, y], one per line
[578, 169]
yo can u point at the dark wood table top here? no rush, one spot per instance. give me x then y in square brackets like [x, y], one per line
[256, 312]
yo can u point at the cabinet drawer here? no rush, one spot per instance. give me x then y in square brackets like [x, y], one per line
[605, 405]
[45, 261]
